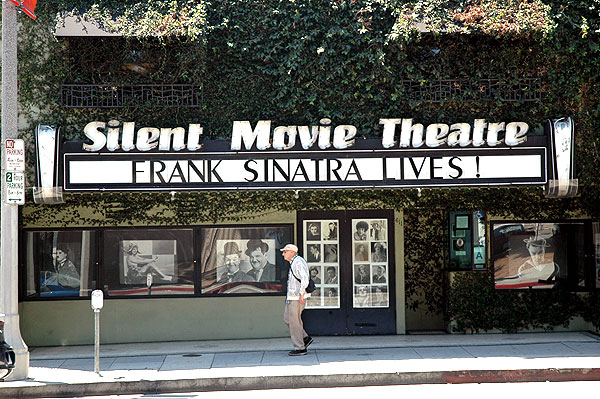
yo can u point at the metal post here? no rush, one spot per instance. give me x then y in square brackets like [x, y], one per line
[97, 304]
[97, 341]
[9, 235]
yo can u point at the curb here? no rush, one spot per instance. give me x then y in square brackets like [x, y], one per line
[301, 381]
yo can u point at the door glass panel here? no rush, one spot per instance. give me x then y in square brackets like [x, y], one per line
[370, 276]
[321, 249]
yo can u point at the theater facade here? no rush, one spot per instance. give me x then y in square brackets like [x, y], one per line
[226, 278]
[440, 180]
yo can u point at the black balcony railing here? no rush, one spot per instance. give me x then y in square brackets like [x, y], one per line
[523, 90]
[183, 95]
[106, 96]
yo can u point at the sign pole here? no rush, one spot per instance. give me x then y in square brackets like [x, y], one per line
[9, 235]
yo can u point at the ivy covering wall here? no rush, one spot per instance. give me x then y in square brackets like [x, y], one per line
[295, 62]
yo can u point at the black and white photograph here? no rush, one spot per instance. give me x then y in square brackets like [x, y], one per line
[64, 260]
[315, 274]
[148, 257]
[379, 296]
[377, 230]
[379, 252]
[330, 230]
[234, 265]
[314, 300]
[331, 275]
[362, 296]
[362, 274]
[65, 271]
[313, 254]
[331, 253]
[313, 231]
[246, 261]
[153, 262]
[260, 255]
[361, 251]
[331, 298]
[379, 274]
[360, 230]
[529, 255]
[243, 260]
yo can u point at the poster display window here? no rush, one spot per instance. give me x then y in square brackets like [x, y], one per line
[321, 249]
[541, 255]
[370, 263]
[59, 263]
[148, 262]
[244, 260]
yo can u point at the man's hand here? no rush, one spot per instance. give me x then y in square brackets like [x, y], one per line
[302, 300]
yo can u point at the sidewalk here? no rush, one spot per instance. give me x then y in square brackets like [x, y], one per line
[331, 361]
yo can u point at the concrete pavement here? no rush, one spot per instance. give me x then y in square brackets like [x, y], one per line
[331, 361]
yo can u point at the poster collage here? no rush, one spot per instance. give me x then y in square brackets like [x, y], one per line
[370, 263]
[321, 247]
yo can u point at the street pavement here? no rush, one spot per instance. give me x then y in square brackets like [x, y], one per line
[340, 361]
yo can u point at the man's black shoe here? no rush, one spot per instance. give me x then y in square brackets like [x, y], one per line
[297, 352]
[307, 341]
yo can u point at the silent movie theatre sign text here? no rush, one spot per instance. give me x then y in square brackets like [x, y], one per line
[121, 156]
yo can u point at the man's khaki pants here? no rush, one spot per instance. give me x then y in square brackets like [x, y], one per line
[292, 316]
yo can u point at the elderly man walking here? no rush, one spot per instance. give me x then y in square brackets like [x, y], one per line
[298, 277]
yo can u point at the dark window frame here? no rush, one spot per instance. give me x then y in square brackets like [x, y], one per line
[99, 269]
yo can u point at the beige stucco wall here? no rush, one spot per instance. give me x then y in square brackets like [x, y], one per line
[167, 319]
[400, 290]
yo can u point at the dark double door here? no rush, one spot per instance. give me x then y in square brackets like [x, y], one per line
[351, 258]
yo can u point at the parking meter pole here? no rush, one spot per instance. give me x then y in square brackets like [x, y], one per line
[97, 304]
[9, 213]
[97, 341]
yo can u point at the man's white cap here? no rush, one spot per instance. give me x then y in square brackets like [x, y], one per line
[290, 247]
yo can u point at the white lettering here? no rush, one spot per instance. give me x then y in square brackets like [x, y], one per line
[92, 131]
[343, 136]
[436, 134]
[279, 135]
[389, 132]
[409, 130]
[243, 130]
[147, 138]
[516, 133]
[308, 138]
[460, 133]
[194, 133]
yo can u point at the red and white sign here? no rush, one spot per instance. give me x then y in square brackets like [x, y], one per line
[14, 154]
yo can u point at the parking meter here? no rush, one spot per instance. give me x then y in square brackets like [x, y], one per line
[97, 300]
[97, 304]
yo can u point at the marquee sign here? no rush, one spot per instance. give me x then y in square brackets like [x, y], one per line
[122, 157]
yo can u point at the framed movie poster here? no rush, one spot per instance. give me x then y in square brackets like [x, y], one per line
[142, 257]
[149, 261]
[538, 255]
[60, 263]
[244, 260]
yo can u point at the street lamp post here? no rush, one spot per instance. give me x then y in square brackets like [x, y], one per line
[9, 235]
